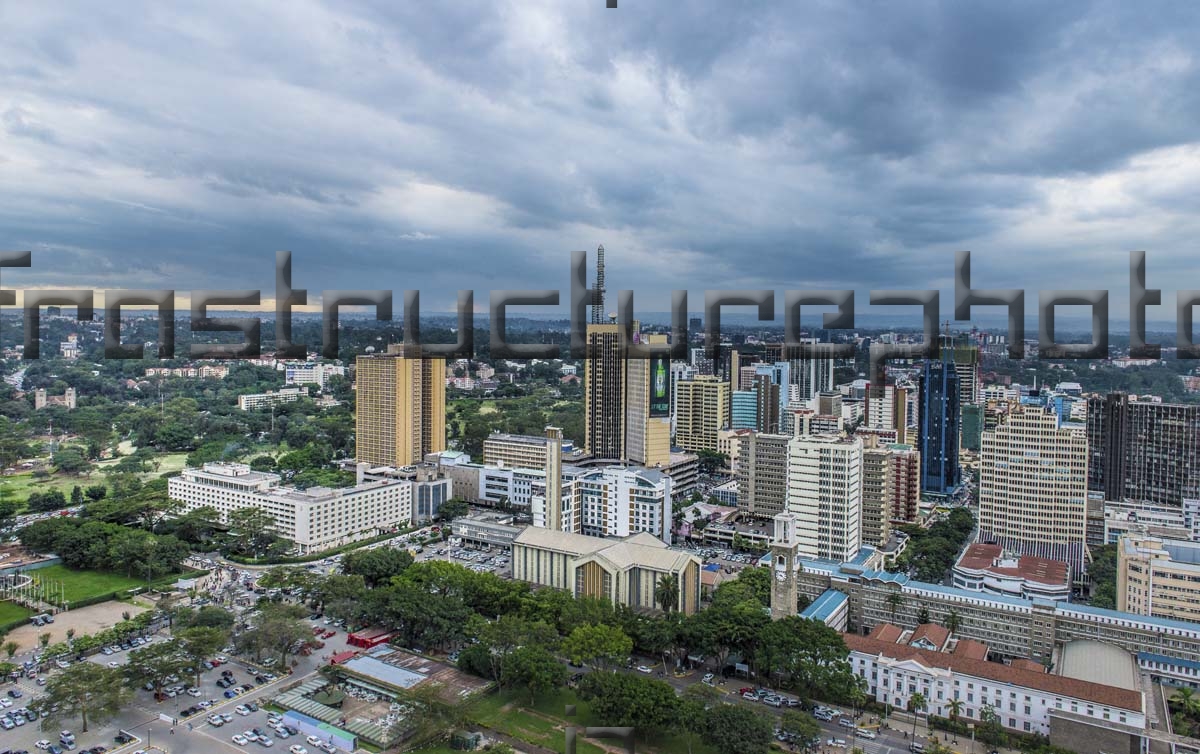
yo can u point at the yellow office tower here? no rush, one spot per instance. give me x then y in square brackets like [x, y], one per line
[401, 408]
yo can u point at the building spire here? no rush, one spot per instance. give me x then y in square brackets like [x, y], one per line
[598, 314]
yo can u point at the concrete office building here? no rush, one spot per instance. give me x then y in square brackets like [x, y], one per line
[1033, 486]
[604, 393]
[647, 438]
[825, 495]
[763, 474]
[624, 571]
[401, 408]
[703, 409]
[315, 519]
[1158, 577]
[515, 451]
[616, 501]
[254, 401]
[1143, 450]
[890, 490]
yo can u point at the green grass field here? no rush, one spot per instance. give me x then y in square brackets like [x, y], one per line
[10, 612]
[79, 585]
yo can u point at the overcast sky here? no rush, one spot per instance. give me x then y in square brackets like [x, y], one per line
[475, 143]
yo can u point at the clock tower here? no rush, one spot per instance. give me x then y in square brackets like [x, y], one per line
[785, 589]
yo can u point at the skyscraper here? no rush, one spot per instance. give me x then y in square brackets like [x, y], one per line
[763, 474]
[703, 408]
[1143, 450]
[604, 393]
[401, 408]
[825, 494]
[647, 437]
[1033, 485]
[939, 420]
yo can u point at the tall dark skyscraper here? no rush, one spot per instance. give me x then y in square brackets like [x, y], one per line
[1143, 450]
[939, 418]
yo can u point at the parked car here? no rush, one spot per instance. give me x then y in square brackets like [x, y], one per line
[239, 739]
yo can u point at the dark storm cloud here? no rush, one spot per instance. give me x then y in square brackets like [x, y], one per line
[706, 144]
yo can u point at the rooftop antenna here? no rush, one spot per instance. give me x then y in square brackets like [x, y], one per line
[598, 317]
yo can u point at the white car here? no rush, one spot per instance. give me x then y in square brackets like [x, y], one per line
[264, 741]
[114, 664]
[297, 749]
[707, 679]
[193, 692]
[313, 741]
[242, 710]
[5, 702]
[644, 669]
[43, 744]
[249, 735]
[327, 747]
[240, 740]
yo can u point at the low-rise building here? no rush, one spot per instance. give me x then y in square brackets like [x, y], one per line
[315, 519]
[898, 663]
[295, 373]
[1158, 577]
[625, 571]
[271, 398]
[490, 528]
[988, 568]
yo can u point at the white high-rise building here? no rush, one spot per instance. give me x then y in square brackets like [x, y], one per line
[825, 494]
[1033, 485]
[616, 501]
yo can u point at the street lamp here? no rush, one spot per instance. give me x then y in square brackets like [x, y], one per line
[971, 727]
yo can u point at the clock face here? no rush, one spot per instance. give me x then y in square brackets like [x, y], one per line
[780, 575]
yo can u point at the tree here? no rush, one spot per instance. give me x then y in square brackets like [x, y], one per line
[534, 668]
[1186, 700]
[378, 566]
[800, 725]
[70, 461]
[44, 640]
[956, 708]
[155, 664]
[666, 592]
[952, 622]
[625, 699]
[600, 646]
[279, 631]
[76, 495]
[916, 703]
[10, 648]
[85, 690]
[251, 531]
[894, 601]
[692, 711]
[737, 729]
[199, 643]
[452, 509]
[922, 616]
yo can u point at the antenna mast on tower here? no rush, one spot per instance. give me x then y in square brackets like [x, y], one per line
[598, 316]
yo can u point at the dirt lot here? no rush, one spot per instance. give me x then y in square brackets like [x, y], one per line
[85, 620]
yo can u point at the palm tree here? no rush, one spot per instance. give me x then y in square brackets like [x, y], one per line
[916, 703]
[666, 592]
[44, 640]
[894, 601]
[1187, 702]
[858, 694]
[10, 648]
[955, 706]
[952, 622]
[923, 615]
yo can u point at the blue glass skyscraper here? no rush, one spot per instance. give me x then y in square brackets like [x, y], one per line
[939, 417]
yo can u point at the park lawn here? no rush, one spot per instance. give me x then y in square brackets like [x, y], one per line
[11, 612]
[79, 585]
[518, 723]
[18, 486]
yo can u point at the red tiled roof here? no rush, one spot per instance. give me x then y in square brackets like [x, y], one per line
[1030, 665]
[1054, 684]
[972, 649]
[935, 634]
[981, 557]
[886, 632]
